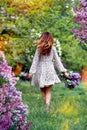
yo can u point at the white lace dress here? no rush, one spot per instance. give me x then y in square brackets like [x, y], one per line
[43, 70]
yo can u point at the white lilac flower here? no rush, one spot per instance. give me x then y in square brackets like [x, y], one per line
[58, 46]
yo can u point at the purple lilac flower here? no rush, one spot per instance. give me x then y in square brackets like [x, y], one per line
[74, 76]
[73, 80]
[11, 107]
[81, 17]
[23, 126]
[5, 121]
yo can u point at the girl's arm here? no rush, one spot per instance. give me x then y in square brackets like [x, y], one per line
[34, 63]
[57, 61]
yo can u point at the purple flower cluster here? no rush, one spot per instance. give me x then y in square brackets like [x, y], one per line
[73, 80]
[5, 121]
[81, 17]
[12, 109]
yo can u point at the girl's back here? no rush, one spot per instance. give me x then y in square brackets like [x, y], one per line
[42, 69]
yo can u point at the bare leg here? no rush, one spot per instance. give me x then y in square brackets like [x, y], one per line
[48, 95]
[43, 92]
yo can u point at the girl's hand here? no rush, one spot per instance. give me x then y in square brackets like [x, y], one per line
[30, 76]
[66, 74]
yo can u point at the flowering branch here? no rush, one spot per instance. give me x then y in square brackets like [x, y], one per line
[12, 111]
[81, 19]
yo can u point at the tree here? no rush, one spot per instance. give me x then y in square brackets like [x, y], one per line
[20, 30]
[80, 30]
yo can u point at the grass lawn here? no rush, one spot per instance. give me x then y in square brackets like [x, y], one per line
[68, 110]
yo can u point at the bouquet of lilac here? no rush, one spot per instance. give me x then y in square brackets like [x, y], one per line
[12, 111]
[73, 80]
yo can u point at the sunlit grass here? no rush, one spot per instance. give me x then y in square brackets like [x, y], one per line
[67, 111]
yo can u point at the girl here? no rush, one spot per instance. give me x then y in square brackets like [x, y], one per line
[42, 70]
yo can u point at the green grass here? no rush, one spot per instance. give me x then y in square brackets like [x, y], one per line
[68, 110]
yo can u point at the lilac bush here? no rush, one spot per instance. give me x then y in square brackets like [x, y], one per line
[12, 110]
[73, 80]
[80, 19]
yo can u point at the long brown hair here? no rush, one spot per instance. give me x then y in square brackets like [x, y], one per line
[44, 43]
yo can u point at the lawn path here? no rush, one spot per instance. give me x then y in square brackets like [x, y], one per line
[68, 110]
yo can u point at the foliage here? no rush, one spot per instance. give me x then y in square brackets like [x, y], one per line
[31, 7]
[73, 53]
[12, 110]
[20, 29]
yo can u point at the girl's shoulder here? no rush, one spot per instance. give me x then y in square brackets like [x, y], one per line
[53, 48]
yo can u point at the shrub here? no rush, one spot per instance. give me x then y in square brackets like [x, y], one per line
[12, 110]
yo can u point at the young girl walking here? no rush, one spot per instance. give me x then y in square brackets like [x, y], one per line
[42, 70]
